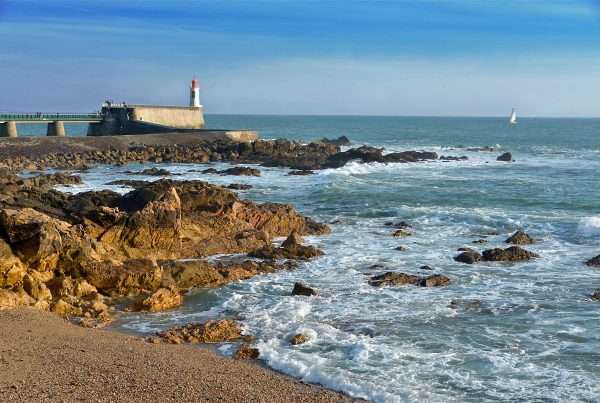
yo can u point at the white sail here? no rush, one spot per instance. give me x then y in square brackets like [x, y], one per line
[513, 117]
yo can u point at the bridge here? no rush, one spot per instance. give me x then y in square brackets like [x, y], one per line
[55, 121]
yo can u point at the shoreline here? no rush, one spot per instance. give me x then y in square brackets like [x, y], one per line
[46, 358]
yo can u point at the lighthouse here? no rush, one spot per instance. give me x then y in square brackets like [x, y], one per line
[195, 95]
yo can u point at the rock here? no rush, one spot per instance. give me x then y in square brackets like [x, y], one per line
[520, 238]
[290, 249]
[596, 295]
[468, 257]
[213, 331]
[480, 241]
[410, 156]
[303, 172]
[298, 339]
[202, 274]
[465, 249]
[63, 308]
[401, 233]
[162, 300]
[436, 280]
[245, 352]
[453, 158]
[394, 279]
[340, 141]
[11, 299]
[12, 269]
[595, 261]
[391, 278]
[128, 182]
[425, 268]
[401, 248]
[301, 289]
[511, 254]
[506, 157]
[154, 172]
[241, 171]
[239, 186]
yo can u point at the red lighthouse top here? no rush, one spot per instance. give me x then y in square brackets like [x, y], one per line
[194, 83]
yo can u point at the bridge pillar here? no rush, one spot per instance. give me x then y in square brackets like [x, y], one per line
[8, 129]
[56, 129]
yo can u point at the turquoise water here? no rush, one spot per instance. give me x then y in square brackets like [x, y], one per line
[519, 332]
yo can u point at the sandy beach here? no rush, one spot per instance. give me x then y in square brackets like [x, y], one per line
[45, 358]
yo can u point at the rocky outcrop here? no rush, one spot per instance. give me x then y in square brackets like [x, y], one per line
[395, 279]
[511, 254]
[68, 253]
[301, 289]
[238, 171]
[505, 157]
[213, 331]
[239, 186]
[153, 172]
[595, 261]
[520, 238]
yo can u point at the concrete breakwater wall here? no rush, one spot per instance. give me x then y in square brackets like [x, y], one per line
[142, 119]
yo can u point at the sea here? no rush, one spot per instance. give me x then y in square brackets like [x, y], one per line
[522, 332]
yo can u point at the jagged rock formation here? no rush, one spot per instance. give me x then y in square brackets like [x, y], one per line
[71, 253]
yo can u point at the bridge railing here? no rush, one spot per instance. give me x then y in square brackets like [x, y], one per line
[50, 116]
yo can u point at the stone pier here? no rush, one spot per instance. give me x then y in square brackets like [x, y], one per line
[56, 129]
[8, 129]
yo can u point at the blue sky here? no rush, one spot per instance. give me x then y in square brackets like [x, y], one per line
[401, 57]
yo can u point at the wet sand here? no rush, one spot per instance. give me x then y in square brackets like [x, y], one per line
[45, 358]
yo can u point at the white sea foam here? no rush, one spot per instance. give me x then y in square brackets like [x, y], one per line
[589, 226]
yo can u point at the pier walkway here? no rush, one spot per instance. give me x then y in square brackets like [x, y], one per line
[55, 121]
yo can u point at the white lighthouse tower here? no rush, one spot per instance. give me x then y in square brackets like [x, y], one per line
[195, 95]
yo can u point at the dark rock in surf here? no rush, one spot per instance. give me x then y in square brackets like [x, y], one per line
[239, 186]
[511, 254]
[410, 156]
[596, 295]
[301, 289]
[595, 261]
[469, 257]
[506, 157]
[303, 172]
[520, 238]
[391, 278]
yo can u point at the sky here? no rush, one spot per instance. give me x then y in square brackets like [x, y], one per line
[368, 57]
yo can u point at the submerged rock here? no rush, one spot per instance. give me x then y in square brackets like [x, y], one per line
[506, 157]
[401, 233]
[301, 172]
[520, 238]
[595, 261]
[301, 289]
[469, 257]
[511, 254]
[393, 279]
[596, 295]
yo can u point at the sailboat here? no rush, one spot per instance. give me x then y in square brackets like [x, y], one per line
[513, 117]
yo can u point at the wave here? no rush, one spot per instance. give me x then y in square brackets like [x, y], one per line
[589, 226]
